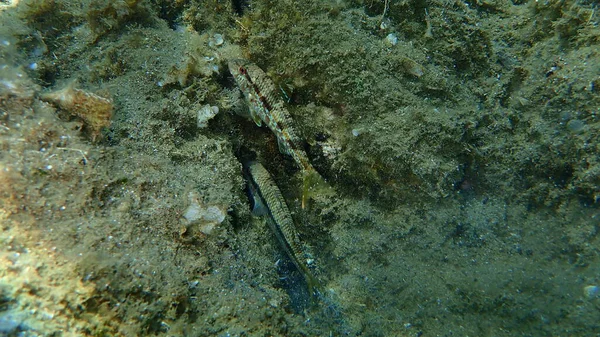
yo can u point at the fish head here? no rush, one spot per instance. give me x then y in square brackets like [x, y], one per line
[238, 67]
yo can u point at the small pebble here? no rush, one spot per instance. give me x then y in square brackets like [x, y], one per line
[9, 323]
[391, 39]
[590, 292]
[575, 125]
[205, 114]
[216, 40]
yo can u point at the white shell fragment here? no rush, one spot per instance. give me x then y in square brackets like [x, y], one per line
[214, 214]
[591, 291]
[211, 213]
[216, 40]
[206, 217]
[205, 114]
[391, 39]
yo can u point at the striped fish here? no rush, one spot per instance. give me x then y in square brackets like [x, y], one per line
[267, 107]
[268, 201]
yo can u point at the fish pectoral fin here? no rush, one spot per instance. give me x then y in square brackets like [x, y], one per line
[258, 208]
[283, 148]
[258, 205]
[255, 117]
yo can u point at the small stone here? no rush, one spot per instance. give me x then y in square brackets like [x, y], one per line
[94, 110]
[391, 39]
[214, 214]
[205, 114]
[591, 292]
[10, 323]
[575, 125]
[412, 68]
[193, 212]
[205, 217]
[216, 40]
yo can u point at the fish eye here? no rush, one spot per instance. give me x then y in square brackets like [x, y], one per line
[243, 70]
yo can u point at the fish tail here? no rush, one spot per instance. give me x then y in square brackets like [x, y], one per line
[314, 288]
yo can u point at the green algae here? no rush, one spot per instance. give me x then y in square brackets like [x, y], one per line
[464, 202]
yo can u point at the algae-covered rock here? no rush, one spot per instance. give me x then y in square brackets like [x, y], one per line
[454, 134]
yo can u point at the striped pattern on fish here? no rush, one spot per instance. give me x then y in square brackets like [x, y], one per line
[269, 201]
[266, 106]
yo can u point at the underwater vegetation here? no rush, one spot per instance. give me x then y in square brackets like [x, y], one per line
[460, 140]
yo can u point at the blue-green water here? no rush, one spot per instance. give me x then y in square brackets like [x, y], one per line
[460, 140]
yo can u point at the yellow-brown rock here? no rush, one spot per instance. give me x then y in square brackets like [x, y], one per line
[95, 111]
